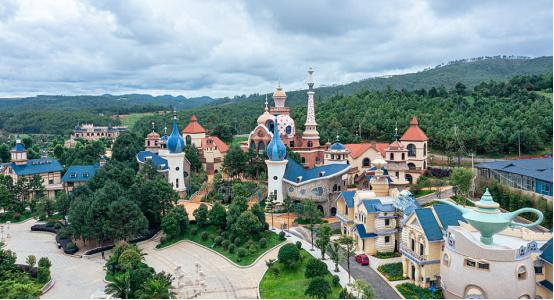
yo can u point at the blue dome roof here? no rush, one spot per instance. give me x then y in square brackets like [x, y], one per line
[19, 147]
[175, 142]
[276, 150]
[337, 146]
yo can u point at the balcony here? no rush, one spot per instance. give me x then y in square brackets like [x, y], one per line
[406, 250]
[344, 218]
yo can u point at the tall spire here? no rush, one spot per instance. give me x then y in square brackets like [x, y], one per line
[396, 135]
[310, 127]
[153, 126]
[266, 108]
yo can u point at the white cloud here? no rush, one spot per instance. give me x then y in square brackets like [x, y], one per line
[218, 48]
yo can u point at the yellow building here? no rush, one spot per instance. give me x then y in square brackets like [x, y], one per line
[422, 242]
[543, 272]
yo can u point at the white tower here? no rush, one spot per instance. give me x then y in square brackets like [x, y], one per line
[310, 127]
[276, 165]
[176, 159]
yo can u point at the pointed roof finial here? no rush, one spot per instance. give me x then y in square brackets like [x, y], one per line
[165, 127]
[396, 136]
[153, 126]
[310, 79]
[266, 108]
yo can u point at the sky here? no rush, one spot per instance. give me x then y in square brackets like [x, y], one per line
[227, 48]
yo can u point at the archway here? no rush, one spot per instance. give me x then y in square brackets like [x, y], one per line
[474, 292]
[320, 209]
[333, 211]
[261, 146]
[252, 145]
[411, 166]
[409, 178]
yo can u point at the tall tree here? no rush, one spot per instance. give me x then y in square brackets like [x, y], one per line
[323, 239]
[126, 147]
[125, 220]
[349, 244]
[235, 161]
[312, 215]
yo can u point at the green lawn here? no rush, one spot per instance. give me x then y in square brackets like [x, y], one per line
[237, 139]
[131, 119]
[5, 217]
[391, 271]
[420, 193]
[411, 291]
[290, 284]
[271, 237]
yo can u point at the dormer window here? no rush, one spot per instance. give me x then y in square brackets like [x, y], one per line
[321, 173]
[521, 273]
[298, 179]
[85, 175]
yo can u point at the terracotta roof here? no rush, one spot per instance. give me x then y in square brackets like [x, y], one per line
[217, 141]
[414, 133]
[194, 126]
[396, 145]
[358, 149]
[153, 135]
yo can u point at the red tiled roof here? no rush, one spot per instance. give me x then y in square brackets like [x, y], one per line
[414, 133]
[194, 126]
[396, 145]
[358, 149]
[217, 141]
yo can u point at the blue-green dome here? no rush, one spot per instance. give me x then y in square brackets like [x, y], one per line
[175, 142]
[276, 150]
[337, 146]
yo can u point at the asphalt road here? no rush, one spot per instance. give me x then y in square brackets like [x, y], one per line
[381, 288]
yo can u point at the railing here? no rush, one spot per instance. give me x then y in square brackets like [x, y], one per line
[414, 254]
[343, 218]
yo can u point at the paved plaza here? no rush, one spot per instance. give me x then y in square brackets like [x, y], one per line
[74, 277]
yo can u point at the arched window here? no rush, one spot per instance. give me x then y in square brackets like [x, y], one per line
[335, 187]
[392, 156]
[177, 183]
[474, 292]
[310, 144]
[409, 178]
[252, 145]
[366, 162]
[403, 156]
[424, 165]
[521, 273]
[303, 160]
[261, 146]
[411, 166]
[270, 125]
[446, 259]
[425, 149]
[332, 156]
[411, 150]
[288, 129]
[188, 139]
[333, 211]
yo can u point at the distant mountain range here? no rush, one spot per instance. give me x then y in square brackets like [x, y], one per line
[469, 72]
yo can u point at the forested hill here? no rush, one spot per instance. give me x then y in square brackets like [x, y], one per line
[107, 104]
[490, 118]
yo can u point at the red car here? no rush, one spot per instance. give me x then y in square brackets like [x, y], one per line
[362, 259]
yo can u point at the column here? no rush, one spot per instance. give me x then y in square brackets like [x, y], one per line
[417, 281]
[405, 266]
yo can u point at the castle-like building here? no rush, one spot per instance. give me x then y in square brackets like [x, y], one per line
[325, 170]
[90, 132]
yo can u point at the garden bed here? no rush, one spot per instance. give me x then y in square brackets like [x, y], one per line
[15, 218]
[411, 291]
[421, 193]
[291, 283]
[212, 231]
[391, 271]
[385, 255]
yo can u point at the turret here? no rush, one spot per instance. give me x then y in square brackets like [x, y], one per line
[276, 164]
[18, 152]
[175, 142]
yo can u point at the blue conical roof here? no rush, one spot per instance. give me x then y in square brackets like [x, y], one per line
[175, 142]
[276, 150]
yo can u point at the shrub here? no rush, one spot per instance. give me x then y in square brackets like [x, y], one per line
[299, 245]
[232, 248]
[263, 242]
[411, 291]
[50, 223]
[225, 244]
[44, 262]
[237, 241]
[282, 235]
[70, 246]
[163, 239]
[315, 268]
[253, 249]
[129, 259]
[58, 225]
[43, 275]
[64, 234]
[318, 288]
[204, 235]
[336, 280]
[289, 255]
[392, 271]
[345, 294]
[241, 252]
[224, 234]
[193, 230]
[218, 240]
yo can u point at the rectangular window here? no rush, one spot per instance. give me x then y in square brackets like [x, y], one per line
[413, 245]
[421, 249]
[469, 263]
[483, 266]
[51, 181]
[538, 269]
[387, 222]
[387, 239]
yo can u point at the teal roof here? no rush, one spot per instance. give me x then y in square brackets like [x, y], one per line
[546, 254]
[294, 170]
[159, 162]
[348, 198]
[448, 215]
[37, 166]
[546, 284]
[375, 205]
[80, 173]
[429, 224]
[362, 233]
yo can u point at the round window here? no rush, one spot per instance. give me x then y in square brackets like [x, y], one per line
[176, 168]
[274, 177]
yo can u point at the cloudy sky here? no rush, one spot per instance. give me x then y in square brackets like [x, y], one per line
[226, 48]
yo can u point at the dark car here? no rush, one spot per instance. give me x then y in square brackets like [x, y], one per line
[362, 259]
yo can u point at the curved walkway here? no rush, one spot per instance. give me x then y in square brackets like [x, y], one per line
[223, 279]
[74, 277]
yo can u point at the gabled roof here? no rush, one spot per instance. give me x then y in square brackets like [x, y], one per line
[348, 198]
[546, 254]
[429, 224]
[539, 168]
[217, 141]
[159, 162]
[80, 173]
[294, 170]
[37, 166]
[194, 126]
[414, 133]
[448, 216]
[362, 233]
[356, 150]
[375, 205]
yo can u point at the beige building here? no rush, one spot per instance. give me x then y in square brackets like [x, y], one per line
[90, 132]
[422, 243]
[543, 272]
[212, 149]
